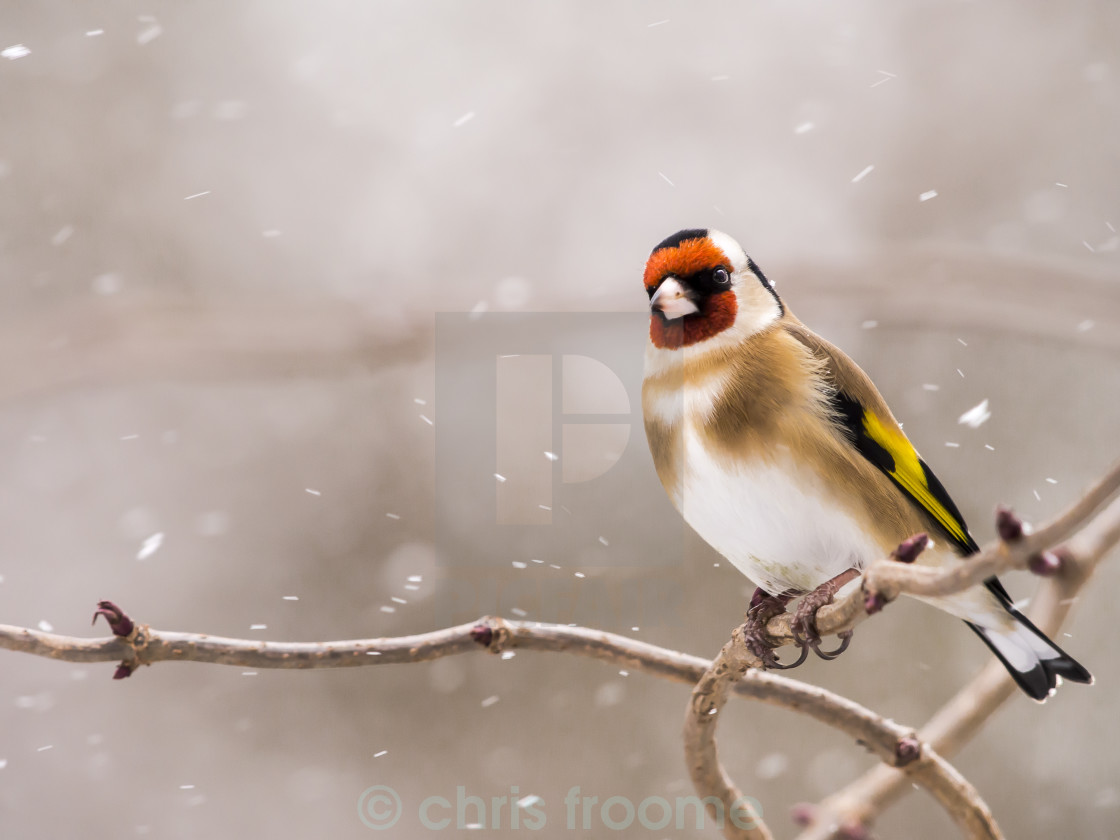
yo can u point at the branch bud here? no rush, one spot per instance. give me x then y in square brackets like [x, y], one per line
[1046, 564]
[802, 813]
[482, 634]
[1009, 526]
[909, 549]
[119, 622]
[853, 830]
[873, 602]
[907, 750]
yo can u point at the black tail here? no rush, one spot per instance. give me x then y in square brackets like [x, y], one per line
[1034, 662]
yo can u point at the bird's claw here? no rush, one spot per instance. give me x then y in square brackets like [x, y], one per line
[845, 640]
[763, 608]
[777, 666]
[759, 643]
[804, 624]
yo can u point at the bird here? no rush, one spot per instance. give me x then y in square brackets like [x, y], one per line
[780, 452]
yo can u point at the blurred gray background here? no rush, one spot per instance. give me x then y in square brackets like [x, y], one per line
[225, 232]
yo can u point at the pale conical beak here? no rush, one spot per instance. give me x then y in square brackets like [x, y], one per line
[671, 300]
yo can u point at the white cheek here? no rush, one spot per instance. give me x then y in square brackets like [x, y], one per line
[758, 308]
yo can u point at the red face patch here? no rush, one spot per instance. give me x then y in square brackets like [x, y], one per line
[689, 257]
[717, 312]
[716, 315]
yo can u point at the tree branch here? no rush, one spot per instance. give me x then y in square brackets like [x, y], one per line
[142, 645]
[884, 580]
[847, 812]
[145, 646]
[736, 814]
[735, 669]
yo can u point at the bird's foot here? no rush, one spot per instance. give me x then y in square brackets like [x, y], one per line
[763, 608]
[804, 624]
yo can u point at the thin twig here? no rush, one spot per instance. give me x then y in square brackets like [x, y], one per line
[955, 724]
[888, 579]
[146, 646]
[846, 814]
[724, 802]
[736, 815]
[143, 645]
[735, 669]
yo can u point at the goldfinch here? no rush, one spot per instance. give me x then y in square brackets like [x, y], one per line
[780, 452]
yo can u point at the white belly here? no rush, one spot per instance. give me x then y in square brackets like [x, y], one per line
[770, 519]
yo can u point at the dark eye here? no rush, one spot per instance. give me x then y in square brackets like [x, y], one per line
[720, 277]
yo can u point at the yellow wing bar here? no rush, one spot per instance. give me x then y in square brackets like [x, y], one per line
[911, 474]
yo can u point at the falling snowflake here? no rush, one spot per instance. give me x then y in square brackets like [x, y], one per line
[151, 546]
[976, 416]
